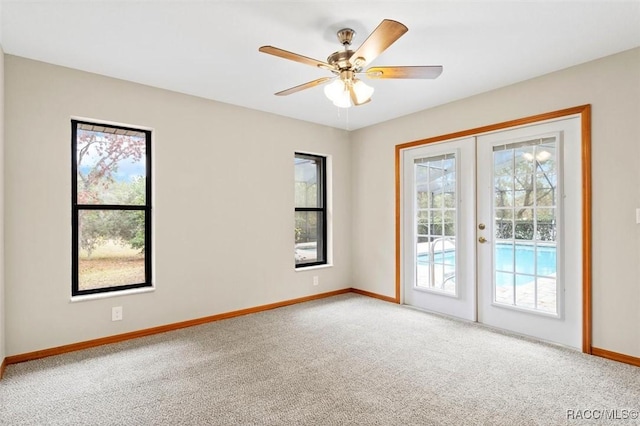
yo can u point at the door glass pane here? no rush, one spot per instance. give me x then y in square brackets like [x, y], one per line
[504, 288]
[525, 291]
[449, 217]
[523, 159]
[525, 262]
[546, 225]
[503, 190]
[546, 260]
[525, 211]
[503, 223]
[524, 224]
[504, 257]
[546, 184]
[436, 222]
[546, 294]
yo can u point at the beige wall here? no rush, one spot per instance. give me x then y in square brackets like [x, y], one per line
[210, 158]
[223, 205]
[612, 86]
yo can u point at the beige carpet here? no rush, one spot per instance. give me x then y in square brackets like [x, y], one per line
[343, 360]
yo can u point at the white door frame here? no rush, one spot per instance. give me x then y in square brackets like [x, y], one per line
[584, 113]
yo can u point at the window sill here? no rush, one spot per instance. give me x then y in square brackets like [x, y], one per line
[311, 268]
[97, 296]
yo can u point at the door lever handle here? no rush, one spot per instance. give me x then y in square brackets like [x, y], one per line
[482, 240]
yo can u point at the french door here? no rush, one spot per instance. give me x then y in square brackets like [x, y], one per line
[491, 229]
[439, 218]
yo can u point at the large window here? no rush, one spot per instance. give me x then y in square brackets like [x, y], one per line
[310, 210]
[111, 208]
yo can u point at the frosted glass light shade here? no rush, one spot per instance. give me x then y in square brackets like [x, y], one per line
[334, 90]
[338, 92]
[344, 101]
[362, 91]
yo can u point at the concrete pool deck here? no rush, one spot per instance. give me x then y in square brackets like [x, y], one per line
[525, 296]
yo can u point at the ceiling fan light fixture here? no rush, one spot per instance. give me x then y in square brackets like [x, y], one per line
[347, 90]
[363, 92]
[334, 89]
[343, 101]
[338, 92]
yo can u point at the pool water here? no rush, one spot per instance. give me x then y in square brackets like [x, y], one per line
[528, 262]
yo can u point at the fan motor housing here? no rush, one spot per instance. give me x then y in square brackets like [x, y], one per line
[340, 60]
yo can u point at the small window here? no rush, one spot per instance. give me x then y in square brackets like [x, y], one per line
[310, 210]
[111, 208]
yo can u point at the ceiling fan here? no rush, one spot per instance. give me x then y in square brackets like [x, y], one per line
[346, 89]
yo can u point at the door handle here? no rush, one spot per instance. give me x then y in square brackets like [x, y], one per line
[482, 240]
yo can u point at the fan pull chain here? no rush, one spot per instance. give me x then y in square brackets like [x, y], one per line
[346, 115]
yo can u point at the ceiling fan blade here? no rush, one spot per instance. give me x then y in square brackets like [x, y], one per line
[405, 72]
[382, 37]
[307, 85]
[294, 57]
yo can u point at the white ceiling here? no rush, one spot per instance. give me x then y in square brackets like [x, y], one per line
[210, 48]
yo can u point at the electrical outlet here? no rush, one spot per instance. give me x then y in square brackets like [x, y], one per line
[116, 313]
[316, 280]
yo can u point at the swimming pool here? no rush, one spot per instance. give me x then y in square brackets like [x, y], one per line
[528, 262]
